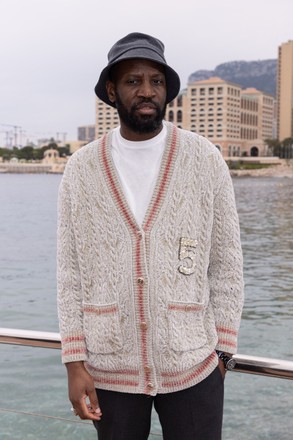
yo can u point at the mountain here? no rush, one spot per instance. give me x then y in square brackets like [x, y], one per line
[259, 74]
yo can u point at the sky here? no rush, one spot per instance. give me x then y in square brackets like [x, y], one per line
[52, 51]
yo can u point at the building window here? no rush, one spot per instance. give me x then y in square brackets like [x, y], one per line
[171, 116]
[179, 116]
[202, 91]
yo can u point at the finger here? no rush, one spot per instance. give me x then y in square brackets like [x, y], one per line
[86, 411]
[94, 402]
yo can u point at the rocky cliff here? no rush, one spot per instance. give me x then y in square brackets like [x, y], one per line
[259, 74]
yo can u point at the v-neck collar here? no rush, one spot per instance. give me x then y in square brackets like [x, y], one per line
[111, 175]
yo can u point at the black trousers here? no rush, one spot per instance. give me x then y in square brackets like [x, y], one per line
[195, 413]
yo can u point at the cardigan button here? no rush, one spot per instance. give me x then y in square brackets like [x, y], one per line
[150, 385]
[139, 234]
[147, 369]
[143, 325]
[140, 280]
[188, 307]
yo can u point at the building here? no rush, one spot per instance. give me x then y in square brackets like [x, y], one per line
[237, 121]
[75, 145]
[106, 118]
[86, 133]
[257, 120]
[285, 91]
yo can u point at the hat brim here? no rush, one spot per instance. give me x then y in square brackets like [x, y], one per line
[172, 78]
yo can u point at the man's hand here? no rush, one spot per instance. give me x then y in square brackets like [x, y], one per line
[222, 368]
[80, 387]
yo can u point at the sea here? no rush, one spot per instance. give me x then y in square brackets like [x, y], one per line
[33, 385]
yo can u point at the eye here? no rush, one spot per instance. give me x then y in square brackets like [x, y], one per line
[158, 81]
[132, 81]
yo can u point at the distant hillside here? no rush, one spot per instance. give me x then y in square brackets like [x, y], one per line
[259, 74]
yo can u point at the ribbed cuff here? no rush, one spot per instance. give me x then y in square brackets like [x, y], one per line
[73, 348]
[227, 339]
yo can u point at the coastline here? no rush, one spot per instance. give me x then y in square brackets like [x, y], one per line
[283, 169]
[31, 168]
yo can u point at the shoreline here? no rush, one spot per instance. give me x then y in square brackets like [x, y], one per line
[284, 169]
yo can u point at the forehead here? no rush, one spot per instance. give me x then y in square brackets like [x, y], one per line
[136, 66]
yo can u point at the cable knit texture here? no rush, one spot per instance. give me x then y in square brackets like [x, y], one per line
[145, 307]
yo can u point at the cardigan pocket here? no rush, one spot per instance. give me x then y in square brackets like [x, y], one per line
[102, 328]
[186, 326]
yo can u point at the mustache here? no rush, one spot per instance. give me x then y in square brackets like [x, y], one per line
[145, 101]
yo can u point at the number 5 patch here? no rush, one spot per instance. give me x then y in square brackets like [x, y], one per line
[187, 255]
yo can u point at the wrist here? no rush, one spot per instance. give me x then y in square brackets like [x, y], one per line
[74, 366]
[227, 359]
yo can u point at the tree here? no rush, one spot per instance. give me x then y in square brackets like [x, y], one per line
[287, 148]
[64, 151]
[287, 141]
[26, 153]
[274, 146]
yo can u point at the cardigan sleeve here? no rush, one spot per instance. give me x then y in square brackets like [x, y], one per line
[68, 278]
[226, 265]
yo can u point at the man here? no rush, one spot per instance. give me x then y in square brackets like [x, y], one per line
[149, 262]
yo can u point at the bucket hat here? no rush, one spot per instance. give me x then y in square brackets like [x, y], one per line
[143, 46]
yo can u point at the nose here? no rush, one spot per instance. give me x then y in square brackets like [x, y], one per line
[146, 89]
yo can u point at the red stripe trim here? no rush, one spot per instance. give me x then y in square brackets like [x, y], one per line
[100, 310]
[143, 331]
[199, 370]
[72, 339]
[185, 307]
[164, 180]
[73, 351]
[113, 186]
[225, 342]
[137, 256]
[227, 330]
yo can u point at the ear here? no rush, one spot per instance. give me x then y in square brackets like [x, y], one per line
[111, 91]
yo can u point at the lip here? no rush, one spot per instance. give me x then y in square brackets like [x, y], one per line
[146, 108]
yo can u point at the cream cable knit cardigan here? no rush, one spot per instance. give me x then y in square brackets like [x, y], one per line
[145, 307]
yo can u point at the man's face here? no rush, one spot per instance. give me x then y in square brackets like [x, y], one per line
[138, 88]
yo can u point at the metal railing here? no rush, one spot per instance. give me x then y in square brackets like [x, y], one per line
[244, 363]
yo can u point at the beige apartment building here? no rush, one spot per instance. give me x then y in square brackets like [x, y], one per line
[285, 91]
[237, 121]
[106, 118]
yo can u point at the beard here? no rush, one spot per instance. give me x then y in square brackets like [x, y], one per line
[141, 124]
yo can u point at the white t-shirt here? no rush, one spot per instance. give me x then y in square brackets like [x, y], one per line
[138, 165]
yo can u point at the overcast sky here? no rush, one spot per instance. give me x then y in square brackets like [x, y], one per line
[52, 51]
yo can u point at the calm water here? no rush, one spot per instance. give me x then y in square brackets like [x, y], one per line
[33, 379]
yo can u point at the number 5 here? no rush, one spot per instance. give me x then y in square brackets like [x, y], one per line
[187, 255]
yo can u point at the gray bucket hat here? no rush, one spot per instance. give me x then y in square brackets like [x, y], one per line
[137, 45]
